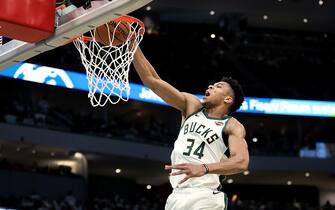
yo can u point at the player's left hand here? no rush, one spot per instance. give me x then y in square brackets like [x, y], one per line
[190, 170]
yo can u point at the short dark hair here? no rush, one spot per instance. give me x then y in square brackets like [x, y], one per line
[238, 93]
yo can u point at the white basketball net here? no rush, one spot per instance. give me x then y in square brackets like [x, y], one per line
[0, 40]
[107, 67]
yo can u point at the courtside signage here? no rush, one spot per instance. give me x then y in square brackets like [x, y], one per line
[78, 81]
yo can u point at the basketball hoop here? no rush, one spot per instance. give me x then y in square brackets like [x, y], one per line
[107, 66]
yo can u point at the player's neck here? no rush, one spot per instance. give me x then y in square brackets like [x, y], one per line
[216, 112]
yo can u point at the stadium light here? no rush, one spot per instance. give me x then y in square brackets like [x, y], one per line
[78, 155]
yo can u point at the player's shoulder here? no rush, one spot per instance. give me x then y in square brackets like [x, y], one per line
[234, 126]
[191, 98]
[193, 104]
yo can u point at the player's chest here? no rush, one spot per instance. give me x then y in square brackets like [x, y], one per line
[202, 129]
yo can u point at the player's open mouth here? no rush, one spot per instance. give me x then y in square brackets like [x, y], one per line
[207, 93]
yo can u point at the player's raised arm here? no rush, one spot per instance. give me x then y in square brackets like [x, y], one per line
[184, 102]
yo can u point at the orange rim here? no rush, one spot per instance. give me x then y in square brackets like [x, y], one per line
[130, 20]
[124, 18]
[84, 38]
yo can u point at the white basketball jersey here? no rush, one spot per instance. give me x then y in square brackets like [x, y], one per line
[201, 140]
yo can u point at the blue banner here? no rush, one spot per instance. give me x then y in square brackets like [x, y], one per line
[73, 80]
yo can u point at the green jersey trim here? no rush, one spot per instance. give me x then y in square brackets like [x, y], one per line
[215, 118]
[225, 137]
[194, 113]
[225, 201]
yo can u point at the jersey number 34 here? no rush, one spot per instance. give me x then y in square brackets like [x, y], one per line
[199, 151]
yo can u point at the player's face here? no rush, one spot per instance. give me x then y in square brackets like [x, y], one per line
[218, 93]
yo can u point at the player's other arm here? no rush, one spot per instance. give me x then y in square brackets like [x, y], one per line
[184, 102]
[239, 155]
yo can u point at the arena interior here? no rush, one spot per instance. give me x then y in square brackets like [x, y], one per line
[57, 152]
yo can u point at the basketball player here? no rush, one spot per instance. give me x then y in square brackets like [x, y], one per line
[210, 142]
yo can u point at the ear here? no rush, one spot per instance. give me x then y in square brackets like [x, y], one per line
[228, 99]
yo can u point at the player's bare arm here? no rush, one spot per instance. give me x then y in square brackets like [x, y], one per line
[237, 163]
[239, 155]
[185, 102]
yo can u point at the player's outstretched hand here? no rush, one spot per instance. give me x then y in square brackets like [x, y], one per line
[190, 170]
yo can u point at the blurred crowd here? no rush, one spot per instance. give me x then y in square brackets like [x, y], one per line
[276, 205]
[119, 202]
[69, 202]
[143, 202]
[47, 115]
[5, 164]
[44, 112]
[38, 202]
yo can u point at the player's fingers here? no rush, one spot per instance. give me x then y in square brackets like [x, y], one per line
[181, 164]
[177, 173]
[184, 180]
[168, 167]
[177, 166]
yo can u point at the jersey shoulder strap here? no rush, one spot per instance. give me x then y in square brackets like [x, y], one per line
[187, 117]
